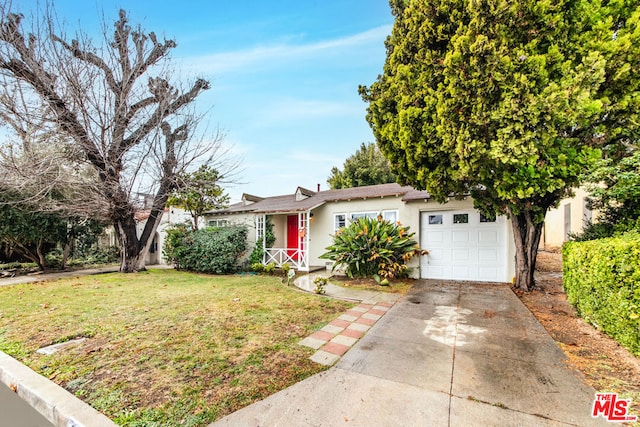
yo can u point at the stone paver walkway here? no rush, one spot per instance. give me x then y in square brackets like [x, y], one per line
[334, 339]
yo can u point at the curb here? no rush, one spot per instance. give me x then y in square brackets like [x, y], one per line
[56, 404]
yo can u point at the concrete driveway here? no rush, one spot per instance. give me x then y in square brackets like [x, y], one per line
[448, 354]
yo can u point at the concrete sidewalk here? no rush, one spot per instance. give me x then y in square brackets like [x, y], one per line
[41, 277]
[448, 354]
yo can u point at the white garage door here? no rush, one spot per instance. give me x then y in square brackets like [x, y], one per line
[463, 245]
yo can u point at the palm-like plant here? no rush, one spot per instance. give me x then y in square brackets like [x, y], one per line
[373, 247]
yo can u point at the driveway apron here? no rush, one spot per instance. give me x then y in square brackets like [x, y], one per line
[447, 354]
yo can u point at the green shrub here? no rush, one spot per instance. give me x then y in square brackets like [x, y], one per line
[372, 246]
[602, 281]
[270, 268]
[258, 253]
[17, 265]
[258, 267]
[108, 255]
[177, 240]
[603, 229]
[209, 250]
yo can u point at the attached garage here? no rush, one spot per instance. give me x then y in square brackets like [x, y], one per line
[464, 245]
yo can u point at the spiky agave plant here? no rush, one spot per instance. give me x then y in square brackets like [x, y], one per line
[371, 247]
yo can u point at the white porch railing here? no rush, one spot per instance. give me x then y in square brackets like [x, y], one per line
[296, 258]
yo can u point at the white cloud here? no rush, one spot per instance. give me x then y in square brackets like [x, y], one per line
[219, 63]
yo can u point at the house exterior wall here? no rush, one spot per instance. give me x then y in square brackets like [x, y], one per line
[570, 216]
[409, 214]
[322, 222]
[279, 230]
[170, 217]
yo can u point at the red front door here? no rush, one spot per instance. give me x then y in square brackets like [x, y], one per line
[292, 236]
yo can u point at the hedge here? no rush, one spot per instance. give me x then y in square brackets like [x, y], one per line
[602, 281]
[210, 250]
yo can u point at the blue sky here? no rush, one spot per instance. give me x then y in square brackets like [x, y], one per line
[284, 76]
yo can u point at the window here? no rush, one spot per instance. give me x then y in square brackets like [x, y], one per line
[217, 223]
[391, 216]
[461, 218]
[357, 215]
[487, 218]
[339, 221]
[435, 219]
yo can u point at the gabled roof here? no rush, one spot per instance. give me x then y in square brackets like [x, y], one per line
[289, 202]
[251, 198]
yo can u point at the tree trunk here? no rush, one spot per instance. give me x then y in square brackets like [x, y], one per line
[66, 252]
[526, 233]
[42, 261]
[126, 231]
[20, 249]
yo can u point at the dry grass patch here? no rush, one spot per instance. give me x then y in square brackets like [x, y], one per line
[399, 286]
[166, 347]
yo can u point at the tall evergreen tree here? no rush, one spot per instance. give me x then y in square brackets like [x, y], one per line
[508, 101]
[367, 166]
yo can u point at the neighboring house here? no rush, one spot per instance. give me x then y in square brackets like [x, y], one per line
[570, 217]
[462, 244]
[170, 217]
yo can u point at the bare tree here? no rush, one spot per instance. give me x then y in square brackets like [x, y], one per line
[114, 105]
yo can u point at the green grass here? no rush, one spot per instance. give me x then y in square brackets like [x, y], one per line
[166, 347]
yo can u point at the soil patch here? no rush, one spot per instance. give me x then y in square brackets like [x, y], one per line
[400, 286]
[605, 364]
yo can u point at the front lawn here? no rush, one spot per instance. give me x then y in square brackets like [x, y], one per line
[166, 347]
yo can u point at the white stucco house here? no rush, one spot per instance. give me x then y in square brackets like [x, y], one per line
[171, 216]
[571, 216]
[462, 244]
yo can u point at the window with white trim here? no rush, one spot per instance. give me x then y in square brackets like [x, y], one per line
[391, 216]
[435, 219]
[461, 218]
[217, 223]
[339, 221]
[356, 215]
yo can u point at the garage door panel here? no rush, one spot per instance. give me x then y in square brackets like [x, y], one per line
[487, 255]
[461, 254]
[487, 274]
[488, 236]
[436, 254]
[434, 236]
[460, 236]
[461, 273]
[437, 272]
[463, 251]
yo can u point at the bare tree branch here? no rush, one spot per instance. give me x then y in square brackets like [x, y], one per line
[121, 121]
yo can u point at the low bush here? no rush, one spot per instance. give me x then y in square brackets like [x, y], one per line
[270, 268]
[258, 267]
[603, 229]
[209, 250]
[371, 246]
[602, 281]
[257, 254]
[176, 241]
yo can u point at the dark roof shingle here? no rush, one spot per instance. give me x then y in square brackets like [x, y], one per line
[288, 203]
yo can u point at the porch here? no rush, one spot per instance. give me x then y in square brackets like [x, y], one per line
[291, 231]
